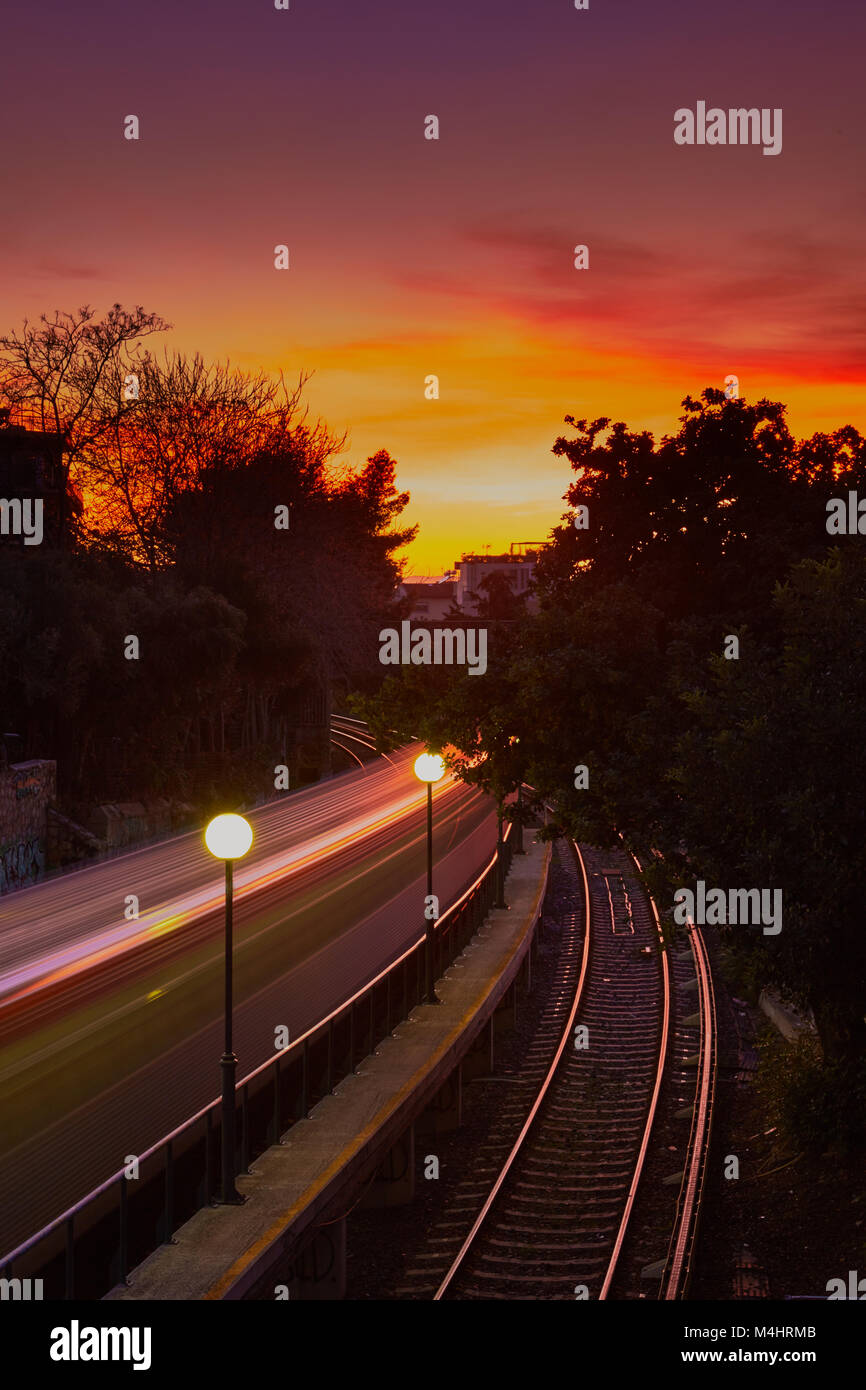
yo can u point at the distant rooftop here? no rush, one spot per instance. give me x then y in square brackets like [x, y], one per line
[518, 552]
[443, 586]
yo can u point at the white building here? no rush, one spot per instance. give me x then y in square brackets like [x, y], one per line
[518, 564]
[432, 600]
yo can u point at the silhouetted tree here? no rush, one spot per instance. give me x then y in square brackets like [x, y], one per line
[67, 375]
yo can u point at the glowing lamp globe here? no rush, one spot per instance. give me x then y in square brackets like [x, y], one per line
[228, 836]
[429, 767]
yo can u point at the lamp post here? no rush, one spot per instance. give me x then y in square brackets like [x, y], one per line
[518, 848]
[228, 837]
[429, 768]
[518, 826]
[500, 867]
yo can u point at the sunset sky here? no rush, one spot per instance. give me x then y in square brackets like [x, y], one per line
[453, 257]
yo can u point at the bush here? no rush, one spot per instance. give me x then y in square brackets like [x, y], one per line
[821, 1105]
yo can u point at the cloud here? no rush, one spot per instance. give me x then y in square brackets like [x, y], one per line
[49, 269]
[791, 301]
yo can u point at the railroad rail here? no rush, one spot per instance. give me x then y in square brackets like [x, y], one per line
[678, 1266]
[577, 1201]
[353, 731]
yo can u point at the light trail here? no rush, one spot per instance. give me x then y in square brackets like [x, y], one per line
[110, 1030]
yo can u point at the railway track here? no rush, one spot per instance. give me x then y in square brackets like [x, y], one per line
[577, 1199]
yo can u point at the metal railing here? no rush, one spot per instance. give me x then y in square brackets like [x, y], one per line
[93, 1245]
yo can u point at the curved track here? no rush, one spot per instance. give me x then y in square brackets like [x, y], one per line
[563, 1216]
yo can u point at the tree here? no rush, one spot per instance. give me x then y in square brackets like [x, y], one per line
[745, 772]
[498, 599]
[221, 528]
[66, 376]
[192, 422]
[708, 519]
[774, 748]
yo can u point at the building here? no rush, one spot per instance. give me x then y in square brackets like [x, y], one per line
[462, 587]
[31, 467]
[519, 564]
[429, 602]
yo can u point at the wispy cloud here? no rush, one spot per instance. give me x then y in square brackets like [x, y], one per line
[50, 269]
[793, 300]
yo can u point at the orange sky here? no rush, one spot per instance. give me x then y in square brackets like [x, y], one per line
[454, 257]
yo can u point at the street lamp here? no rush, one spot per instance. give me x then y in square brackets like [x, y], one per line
[518, 827]
[429, 768]
[500, 867]
[228, 837]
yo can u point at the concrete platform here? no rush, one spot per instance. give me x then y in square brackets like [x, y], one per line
[231, 1252]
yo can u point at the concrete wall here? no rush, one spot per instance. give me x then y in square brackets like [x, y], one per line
[26, 792]
[120, 823]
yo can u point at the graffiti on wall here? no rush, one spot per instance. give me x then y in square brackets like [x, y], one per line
[20, 863]
[27, 786]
